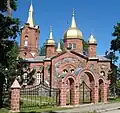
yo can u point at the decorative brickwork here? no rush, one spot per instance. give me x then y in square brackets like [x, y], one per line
[104, 93]
[94, 94]
[50, 51]
[62, 94]
[29, 41]
[92, 50]
[15, 97]
[76, 44]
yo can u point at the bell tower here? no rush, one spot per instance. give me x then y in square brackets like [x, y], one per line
[29, 37]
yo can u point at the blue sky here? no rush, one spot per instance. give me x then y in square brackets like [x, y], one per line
[92, 16]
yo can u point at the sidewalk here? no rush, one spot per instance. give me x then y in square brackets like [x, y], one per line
[100, 108]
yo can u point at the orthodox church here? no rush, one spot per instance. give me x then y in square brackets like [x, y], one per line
[66, 68]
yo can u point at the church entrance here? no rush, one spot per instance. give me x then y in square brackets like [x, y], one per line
[86, 87]
[84, 93]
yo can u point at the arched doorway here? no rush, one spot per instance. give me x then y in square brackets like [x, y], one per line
[70, 91]
[86, 87]
[101, 83]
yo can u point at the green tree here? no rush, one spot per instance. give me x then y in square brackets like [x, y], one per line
[85, 47]
[115, 43]
[115, 46]
[42, 50]
[8, 47]
[111, 55]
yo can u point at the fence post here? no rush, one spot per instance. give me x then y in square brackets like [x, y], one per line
[15, 97]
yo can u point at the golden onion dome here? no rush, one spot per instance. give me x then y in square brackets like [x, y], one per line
[73, 31]
[50, 41]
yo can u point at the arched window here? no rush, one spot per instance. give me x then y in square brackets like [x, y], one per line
[25, 53]
[25, 78]
[65, 71]
[26, 36]
[72, 70]
[70, 46]
[26, 41]
[73, 46]
[102, 73]
[39, 78]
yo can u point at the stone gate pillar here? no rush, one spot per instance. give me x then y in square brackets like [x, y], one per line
[15, 97]
[76, 94]
[104, 93]
[62, 93]
[94, 93]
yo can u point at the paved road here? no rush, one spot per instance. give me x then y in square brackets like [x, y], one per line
[100, 108]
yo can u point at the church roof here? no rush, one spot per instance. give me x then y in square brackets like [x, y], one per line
[103, 58]
[78, 54]
[36, 59]
[42, 58]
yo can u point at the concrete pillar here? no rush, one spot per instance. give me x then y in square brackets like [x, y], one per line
[15, 97]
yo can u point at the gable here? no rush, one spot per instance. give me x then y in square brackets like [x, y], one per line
[70, 57]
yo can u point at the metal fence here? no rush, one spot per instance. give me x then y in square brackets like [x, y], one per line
[6, 98]
[39, 96]
[84, 93]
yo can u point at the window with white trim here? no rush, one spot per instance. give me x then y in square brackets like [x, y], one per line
[39, 78]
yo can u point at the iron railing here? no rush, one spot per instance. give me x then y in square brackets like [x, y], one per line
[39, 96]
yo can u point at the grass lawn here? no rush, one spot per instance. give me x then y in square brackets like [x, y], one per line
[51, 109]
[114, 99]
[3, 110]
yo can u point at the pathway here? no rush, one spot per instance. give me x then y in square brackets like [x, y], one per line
[100, 108]
[113, 111]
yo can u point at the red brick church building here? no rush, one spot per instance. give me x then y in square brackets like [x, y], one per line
[70, 69]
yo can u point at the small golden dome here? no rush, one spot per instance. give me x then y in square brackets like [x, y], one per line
[92, 40]
[59, 50]
[73, 31]
[50, 41]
